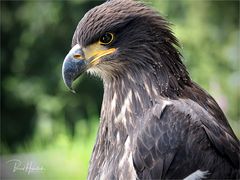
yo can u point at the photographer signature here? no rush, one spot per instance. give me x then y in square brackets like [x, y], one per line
[28, 167]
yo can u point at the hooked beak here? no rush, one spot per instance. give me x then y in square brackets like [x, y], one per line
[78, 60]
[74, 65]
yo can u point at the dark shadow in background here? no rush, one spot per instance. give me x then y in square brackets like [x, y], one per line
[35, 37]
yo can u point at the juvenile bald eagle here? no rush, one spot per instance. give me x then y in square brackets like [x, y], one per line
[156, 123]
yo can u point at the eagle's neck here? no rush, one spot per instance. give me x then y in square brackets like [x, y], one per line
[126, 98]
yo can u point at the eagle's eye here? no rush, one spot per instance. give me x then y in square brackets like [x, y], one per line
[106, 38]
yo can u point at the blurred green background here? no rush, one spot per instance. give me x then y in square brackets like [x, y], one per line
[44, 123]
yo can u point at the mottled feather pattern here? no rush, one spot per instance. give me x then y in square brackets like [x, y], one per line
[156, 147]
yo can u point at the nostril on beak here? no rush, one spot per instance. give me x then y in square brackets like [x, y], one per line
[77, 56]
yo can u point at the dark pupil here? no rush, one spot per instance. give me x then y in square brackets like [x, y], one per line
[106, 38]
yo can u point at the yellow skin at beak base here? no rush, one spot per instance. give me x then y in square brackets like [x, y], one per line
[97, 51]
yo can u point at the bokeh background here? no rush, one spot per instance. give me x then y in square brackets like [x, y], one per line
[44, 123]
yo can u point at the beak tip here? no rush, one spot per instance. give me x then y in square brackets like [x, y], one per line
[68, 82]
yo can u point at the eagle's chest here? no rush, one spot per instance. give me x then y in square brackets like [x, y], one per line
[114, 163]
[112, 157]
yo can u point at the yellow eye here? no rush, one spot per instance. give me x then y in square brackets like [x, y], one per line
[107, 38]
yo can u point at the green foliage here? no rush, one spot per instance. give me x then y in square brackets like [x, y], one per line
[65, 157]
[36, 37]
[39, 115]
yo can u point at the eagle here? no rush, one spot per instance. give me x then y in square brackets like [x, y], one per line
[156, 123]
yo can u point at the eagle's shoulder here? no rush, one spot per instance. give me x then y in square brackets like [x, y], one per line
[158, 140]
[220, 135]
[179, 133]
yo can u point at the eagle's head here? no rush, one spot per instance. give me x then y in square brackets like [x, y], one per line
[122, 36]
